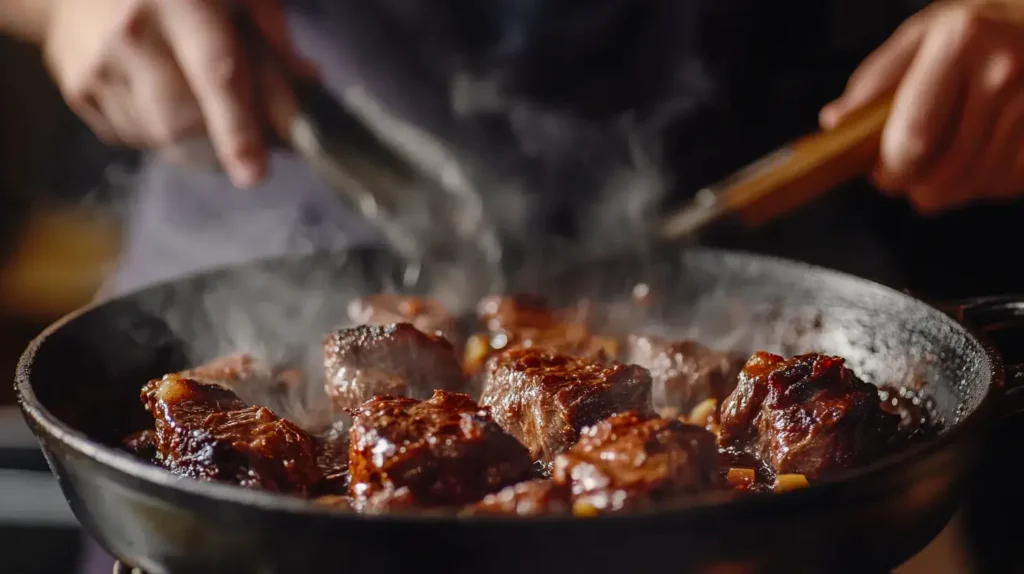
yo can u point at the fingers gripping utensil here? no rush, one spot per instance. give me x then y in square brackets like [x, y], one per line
[785, 179]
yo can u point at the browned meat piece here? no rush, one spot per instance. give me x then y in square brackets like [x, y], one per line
[446, 450]
[807, 415]
[683, 373]
[426, 315]
[526, 321]
[530, 498]
[142, 444]
[545, 400]
[205, 431]
[399, 360]
[631, 460]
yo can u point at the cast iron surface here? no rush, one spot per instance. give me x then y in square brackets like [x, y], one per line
[78, 385]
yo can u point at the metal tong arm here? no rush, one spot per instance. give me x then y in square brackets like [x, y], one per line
[367, 174]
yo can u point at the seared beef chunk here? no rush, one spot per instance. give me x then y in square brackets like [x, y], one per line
[426, 315]
[530, 498]
[545, 400]
[683, 373]
[526, 321]
[142, 444]
[397, 359]
[446, 450]
[632, 460]
[807, 415]
[205, 431]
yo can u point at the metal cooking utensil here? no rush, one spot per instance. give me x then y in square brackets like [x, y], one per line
[420, 217]
[785, 179]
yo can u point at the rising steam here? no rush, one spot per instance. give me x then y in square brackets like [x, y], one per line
[606, 173]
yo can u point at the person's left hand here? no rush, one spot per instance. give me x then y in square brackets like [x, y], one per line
[956, 131]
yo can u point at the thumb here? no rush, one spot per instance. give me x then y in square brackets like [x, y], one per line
[879, 74]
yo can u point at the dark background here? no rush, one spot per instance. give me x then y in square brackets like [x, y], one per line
[58, 234]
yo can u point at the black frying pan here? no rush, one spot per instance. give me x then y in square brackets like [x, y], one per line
[79, 383]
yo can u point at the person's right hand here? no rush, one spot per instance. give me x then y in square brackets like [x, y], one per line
[156, 73]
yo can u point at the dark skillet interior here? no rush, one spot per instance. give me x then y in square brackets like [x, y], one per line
[85, 373]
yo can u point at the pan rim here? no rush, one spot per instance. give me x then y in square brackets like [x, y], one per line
[46, 426]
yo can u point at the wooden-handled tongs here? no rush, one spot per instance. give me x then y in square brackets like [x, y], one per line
[785, 179]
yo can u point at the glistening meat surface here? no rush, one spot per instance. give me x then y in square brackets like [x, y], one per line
[806, 415]
[631, 461]
[443, 451]
[398, 359]
[545, 399]
[205, 431]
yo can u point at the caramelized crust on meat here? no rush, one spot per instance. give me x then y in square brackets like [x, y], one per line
[446, 450]
[630, 461]
[683, 373]
[807, 415]
[545, 400]
[530, 498]
[397, 360]
[205, 431]
[427, 315]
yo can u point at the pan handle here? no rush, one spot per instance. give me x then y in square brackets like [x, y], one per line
[999, 322]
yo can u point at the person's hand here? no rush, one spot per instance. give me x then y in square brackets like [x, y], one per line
[157, 73]
[956, 130]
